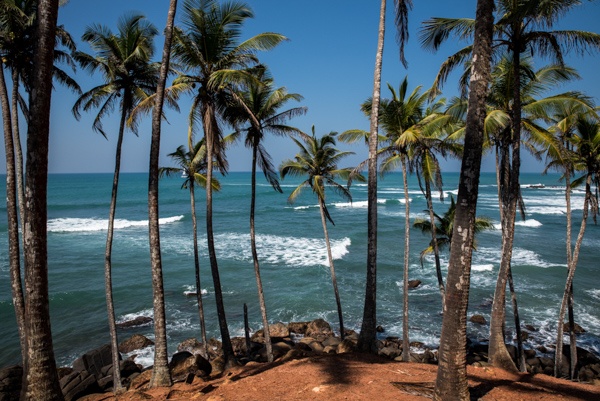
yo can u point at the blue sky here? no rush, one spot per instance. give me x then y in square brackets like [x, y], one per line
[328, 59]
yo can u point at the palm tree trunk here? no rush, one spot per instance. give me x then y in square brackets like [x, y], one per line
[451, 382]
[261, 295]
[208, 121]
[368, 332]
[12, 212]
[405, 327]
[197, 268]
[42, 379]
[17, 143]
[161, 374]
[498, 354]
[331, 267]
[110, 308]
[572, 336]
[434, 244]
[571, 273]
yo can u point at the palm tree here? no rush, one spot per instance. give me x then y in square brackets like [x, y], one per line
[215, 62]
[123, 59]
[521, 28]
[192, 165]
[318, 162]
[576, 151]
[260, 105]
[445, 226]
[368, 332]
[398, 117]
[451, 381]
[41, 378]
[17, 23]
[161, 374]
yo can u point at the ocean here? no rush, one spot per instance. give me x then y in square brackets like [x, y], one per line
[293, 261]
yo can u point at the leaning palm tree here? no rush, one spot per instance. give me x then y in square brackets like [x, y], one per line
[451, 382]
[259, 107]
[192, 165]
[318, 162]
[123, 59]
[215, 62]
[576, 151]
[521, 27]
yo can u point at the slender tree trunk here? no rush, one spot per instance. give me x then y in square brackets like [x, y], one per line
[112, 327]
[368, 333]
[161, 374]
[12, 218]
[498, 354]
[332, 268]
[572, 336]
[17, 143]
[42, 379]
[451, 382]
[513, 295]
[405, 327]
[571, 273]
[261, 295]
[434, 243]
[197, 269]
[208, 121]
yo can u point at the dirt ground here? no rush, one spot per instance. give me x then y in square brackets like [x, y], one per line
[354, 377]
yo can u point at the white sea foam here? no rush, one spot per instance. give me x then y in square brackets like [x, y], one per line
[281, 250]
[595, 293]
[482, 268]
[360, 204]
[80, 225]
[189, 290]
[531, 223]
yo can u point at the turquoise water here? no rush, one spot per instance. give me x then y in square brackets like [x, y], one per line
[293, 261]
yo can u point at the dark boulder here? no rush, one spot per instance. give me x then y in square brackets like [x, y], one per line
[577, 329]
[77, 384]
[414, 283]
[136, 322]
[479, 319]
[297, 327]
[184, 363]
[136, 341]
[10, 383]
[318, 327]
[93, 361]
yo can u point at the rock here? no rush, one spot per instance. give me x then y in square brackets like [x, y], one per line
[332, 341]
[136, 341]
[218, 365]
[530, 328]
[429, 357]
[279, 330]
[184, 363]
[293, 354]
[94, 360]
[390, 352]
[330, 349]
[578, 329]
[63, 371]
[479, 319]
[414, 283]
[138, 321]
[128, 368]
[318, 327]
[346, 346]
[297, 327]
[316, 346]
[380, 329]
[11, 378]
[77, 384]
[529, 353]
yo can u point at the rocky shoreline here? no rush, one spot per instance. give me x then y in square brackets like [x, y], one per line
[92, 372]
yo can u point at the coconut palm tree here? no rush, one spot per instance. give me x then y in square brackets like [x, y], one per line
[576, 150]
[192, 165]
[398, 118]
[41, 379]
[123, 59]
[521, 27]
[17, 23]
[209, 48]
[368, 332]
[451, 381]
[318, 162]
[445, 225]
[161, 374]
[259, 108]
